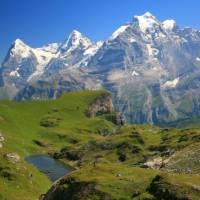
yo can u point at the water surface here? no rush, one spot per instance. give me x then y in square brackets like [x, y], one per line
[54, 169]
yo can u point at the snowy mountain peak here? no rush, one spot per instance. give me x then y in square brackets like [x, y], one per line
[76, 33]
[75, 40]
[148, 15]
[169, 25]
[19, 48]
[146, 22]
[18, 42]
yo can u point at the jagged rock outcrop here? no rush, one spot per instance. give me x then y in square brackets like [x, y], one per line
[157, 163]
[102, 104]
[119, 119]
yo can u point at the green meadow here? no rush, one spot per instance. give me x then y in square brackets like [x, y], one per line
[108, 159]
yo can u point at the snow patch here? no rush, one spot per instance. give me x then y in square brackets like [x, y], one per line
[43, 56]
[52, 48]
[14, 73]
[171, 84]
[99, 44]
[169, 25]
[131, 40]
[152, 51]
[197, 59]
[134, 73]
[119, 31]
[90, 51]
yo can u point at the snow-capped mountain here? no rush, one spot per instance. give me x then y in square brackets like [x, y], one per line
[24, 65]
[148, 65]
[74, 41]
[151, 67]
[72, 53]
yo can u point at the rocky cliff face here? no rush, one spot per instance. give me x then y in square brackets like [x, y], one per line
[102, 104]
[54, 86]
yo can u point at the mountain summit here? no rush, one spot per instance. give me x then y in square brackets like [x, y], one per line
[74, 41]
[146, 22]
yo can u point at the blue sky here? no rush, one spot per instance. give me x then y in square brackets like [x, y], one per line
[38, 22]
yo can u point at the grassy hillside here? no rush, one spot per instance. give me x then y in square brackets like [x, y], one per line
[116, 165]
[37, 127]
[110, 162]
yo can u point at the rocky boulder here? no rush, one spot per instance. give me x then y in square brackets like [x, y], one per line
[13, 157]
[156, 163]
[1, 140]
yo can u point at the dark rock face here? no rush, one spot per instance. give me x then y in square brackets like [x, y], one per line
[163, 189]
[69, 188]
[119, 119]
[116, 118]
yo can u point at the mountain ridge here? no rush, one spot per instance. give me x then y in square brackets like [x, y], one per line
[150, 66]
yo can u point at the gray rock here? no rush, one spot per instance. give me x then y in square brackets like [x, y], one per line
[1, 138]
[13, 157]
